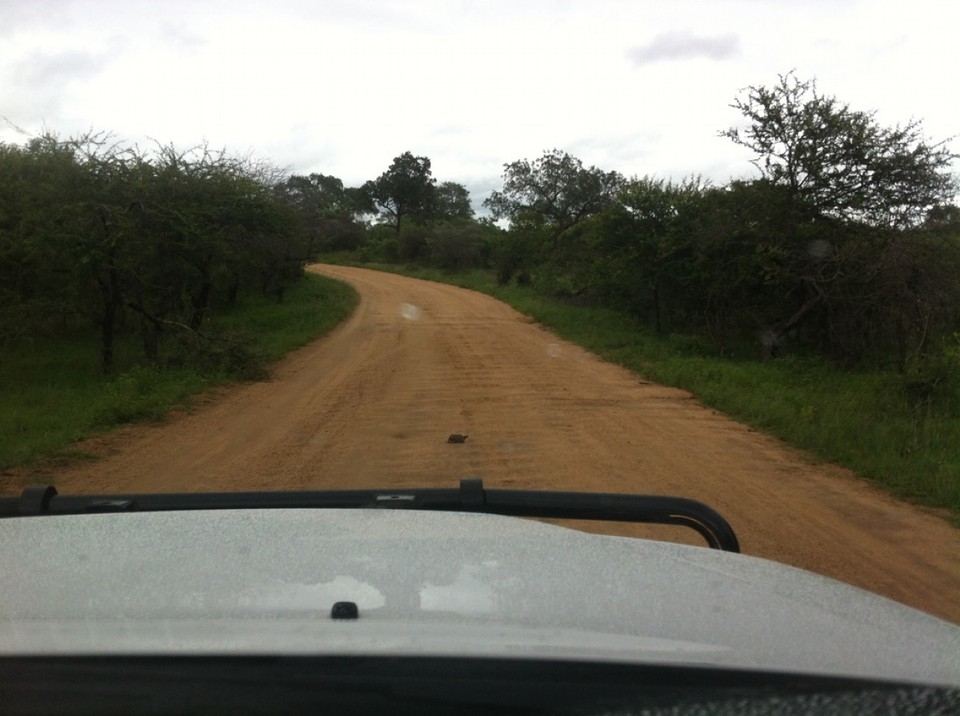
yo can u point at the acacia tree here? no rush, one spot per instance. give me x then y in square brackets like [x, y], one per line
[842, 190]
[101, 221]
[555, 190]
[839, 163]
[406, 190]
[93, 228]
[36, 288]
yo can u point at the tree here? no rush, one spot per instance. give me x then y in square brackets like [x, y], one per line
[735, 285]
[554, 190]
[36, 289]
[645, 241]
[198, 206]
[102, 214]
[839, 163]
[93, 229]
[844, 194]
[323, 196]
[406, 190]
[452, 202]
[329, 213]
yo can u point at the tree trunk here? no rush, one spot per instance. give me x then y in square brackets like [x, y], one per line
[773, 338]
[151, 340]
[200, 304]
[110, 290]
[233, 289]
[657, 314]
[901, 346]
[151, 327]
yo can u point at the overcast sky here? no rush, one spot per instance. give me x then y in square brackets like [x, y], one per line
[343, 86]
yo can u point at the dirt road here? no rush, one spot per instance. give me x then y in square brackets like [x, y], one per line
[372, 405]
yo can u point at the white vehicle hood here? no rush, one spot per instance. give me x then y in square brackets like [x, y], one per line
[427, 583]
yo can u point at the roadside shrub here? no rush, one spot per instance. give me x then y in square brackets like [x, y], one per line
[456, 246]
[934, 383]
[380, 245]
[412, 242]
[218, 352]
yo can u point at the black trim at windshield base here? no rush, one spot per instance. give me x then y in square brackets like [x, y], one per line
[254, 685]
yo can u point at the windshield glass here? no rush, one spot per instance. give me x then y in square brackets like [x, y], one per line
[704, 251]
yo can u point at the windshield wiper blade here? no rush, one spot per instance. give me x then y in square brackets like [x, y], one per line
[470, 497]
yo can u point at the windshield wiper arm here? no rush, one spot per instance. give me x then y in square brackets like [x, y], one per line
[470, 497]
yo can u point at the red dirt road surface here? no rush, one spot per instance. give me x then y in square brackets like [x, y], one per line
[372, 404]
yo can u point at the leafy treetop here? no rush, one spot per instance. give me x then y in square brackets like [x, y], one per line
[840, 163]
[555, 189]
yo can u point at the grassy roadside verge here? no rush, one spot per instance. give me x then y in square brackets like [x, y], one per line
[52, 394]
[866, 421]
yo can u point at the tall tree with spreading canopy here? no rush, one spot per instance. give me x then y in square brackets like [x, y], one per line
[406, 190]
[452, 202]
[555, 190]
[839, 163]
[543, 200]
[843, 192]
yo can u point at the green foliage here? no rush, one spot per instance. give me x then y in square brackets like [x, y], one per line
[839, 163]
[554, 190]
[134, 243]
[380, 245]
[454, 247]
[847, 246]
[329, 215]
[412, 242]
[866, 421]
[933, 381]
[514, 254]
[648, 265]
[52, 393]
[452, 202]
[140, 393]
[406, 190]
[841, 252]
[215, 351]
[312, 308]
[843, 256]
[461, 244]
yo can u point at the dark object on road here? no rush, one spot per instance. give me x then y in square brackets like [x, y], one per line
[457, 438]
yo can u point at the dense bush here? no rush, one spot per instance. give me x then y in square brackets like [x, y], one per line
[100, 234]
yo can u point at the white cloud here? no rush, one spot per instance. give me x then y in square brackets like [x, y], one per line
[686, 45]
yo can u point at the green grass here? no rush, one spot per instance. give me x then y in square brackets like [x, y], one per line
[312, 308]
[865, 421]
[52, 393]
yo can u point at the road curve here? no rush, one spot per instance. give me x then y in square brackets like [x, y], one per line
[372, 405]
